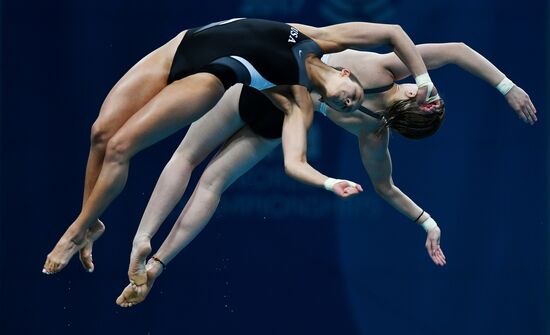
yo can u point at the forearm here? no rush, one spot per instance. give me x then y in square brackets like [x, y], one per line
[377, 161]
[294, 140]
[362, 35]
[305, 173]
[400, 201]
[405, 49]
[473, 62]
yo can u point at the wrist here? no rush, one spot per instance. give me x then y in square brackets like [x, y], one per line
[418, 217]
[330, 182]
[423, 79]
[429, 224]
[505, 86]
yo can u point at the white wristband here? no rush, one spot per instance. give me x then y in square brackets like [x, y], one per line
[423, 80]
[330, 182]
[429, 224]
[505, 86]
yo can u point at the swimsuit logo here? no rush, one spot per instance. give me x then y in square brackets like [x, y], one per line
[293, 35]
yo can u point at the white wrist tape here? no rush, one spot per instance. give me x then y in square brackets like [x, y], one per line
[423, 80]
[429, 224]
[505, 86]
[330, 182]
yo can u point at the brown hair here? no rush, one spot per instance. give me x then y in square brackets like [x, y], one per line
[409, 119]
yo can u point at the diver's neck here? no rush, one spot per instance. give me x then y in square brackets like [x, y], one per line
[320, 75]
[379, 102]
[392, 95]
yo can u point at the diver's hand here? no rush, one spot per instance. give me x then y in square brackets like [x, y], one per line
[343, 188]
[427, 94]
[433, 246]
[522, 105]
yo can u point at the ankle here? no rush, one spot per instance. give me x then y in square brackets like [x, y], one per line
[77, 237]
[155, 267]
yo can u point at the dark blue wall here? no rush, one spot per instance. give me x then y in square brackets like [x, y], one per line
[280, 257]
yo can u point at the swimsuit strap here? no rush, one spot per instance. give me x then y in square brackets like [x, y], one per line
[373, 91]
[378, 89]
[369, 112]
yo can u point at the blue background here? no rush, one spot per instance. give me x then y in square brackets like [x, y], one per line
[279, 257]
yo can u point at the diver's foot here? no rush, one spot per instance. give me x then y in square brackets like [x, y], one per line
[66, 247]
[134, 294]
[137, 272]
[94, 232]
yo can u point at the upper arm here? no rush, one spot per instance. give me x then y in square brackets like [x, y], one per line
[376, 159]
[434, 55]
[298, 119]
[352, 35]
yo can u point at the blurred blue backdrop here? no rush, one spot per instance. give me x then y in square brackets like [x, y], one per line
[280, 257]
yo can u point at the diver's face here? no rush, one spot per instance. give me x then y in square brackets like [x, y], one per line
[409, 91]
[347, 97]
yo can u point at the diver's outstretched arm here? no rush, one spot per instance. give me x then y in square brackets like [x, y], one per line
[377, 161]
[436, 55]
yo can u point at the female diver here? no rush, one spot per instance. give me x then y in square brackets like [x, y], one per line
[179, 82]
[251, 129]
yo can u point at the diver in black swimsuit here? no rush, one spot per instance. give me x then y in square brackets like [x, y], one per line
[143, 108]
[249, 126]
[258, 53]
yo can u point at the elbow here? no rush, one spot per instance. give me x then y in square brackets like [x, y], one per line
[294, 164]
[458, 52]
[397, 28]
[290, 168]
[459, 46]
[397, 31]
[385, 190]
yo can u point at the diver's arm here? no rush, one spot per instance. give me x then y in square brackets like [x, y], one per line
[439, 54]
[360, 35]
[298, 118]
[377, 161]
[436, 55]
